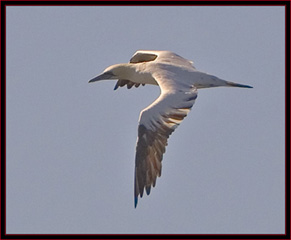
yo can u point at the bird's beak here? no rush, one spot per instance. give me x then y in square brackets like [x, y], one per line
[103, 76]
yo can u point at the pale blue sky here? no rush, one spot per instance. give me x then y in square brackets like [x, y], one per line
[71, 145]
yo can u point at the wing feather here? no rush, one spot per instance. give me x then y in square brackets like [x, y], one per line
[157, 122]
[160, 56]
[128, 83]
[140, 56]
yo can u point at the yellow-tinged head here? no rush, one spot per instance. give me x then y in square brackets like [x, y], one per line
[117, 71]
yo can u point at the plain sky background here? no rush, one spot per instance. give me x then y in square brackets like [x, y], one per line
[71, 145]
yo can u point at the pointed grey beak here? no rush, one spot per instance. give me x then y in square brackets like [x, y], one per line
[103, 76]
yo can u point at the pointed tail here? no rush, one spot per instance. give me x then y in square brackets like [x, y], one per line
[232, 84]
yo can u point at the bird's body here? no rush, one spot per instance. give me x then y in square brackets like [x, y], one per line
[178, 80]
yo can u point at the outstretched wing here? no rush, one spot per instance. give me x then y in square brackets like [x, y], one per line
[160, 56]
[156, 124]
[143, 56]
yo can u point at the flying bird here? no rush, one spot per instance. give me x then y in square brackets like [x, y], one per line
[178, 80]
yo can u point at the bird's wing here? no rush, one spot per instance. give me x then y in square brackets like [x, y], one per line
[128, 83]
[156, 124]
[160, 56]
[143, 56]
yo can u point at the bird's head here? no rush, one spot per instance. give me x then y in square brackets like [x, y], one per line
[117, 71]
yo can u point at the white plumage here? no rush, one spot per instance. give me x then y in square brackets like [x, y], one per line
[178, 80]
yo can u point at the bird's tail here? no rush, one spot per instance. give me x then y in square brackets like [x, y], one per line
[205, 80]
[232, 84]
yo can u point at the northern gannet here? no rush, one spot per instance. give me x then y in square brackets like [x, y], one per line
[178, 81]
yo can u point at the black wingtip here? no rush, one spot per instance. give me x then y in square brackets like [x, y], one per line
[116, 86]
[148, 190]
[135, 201]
